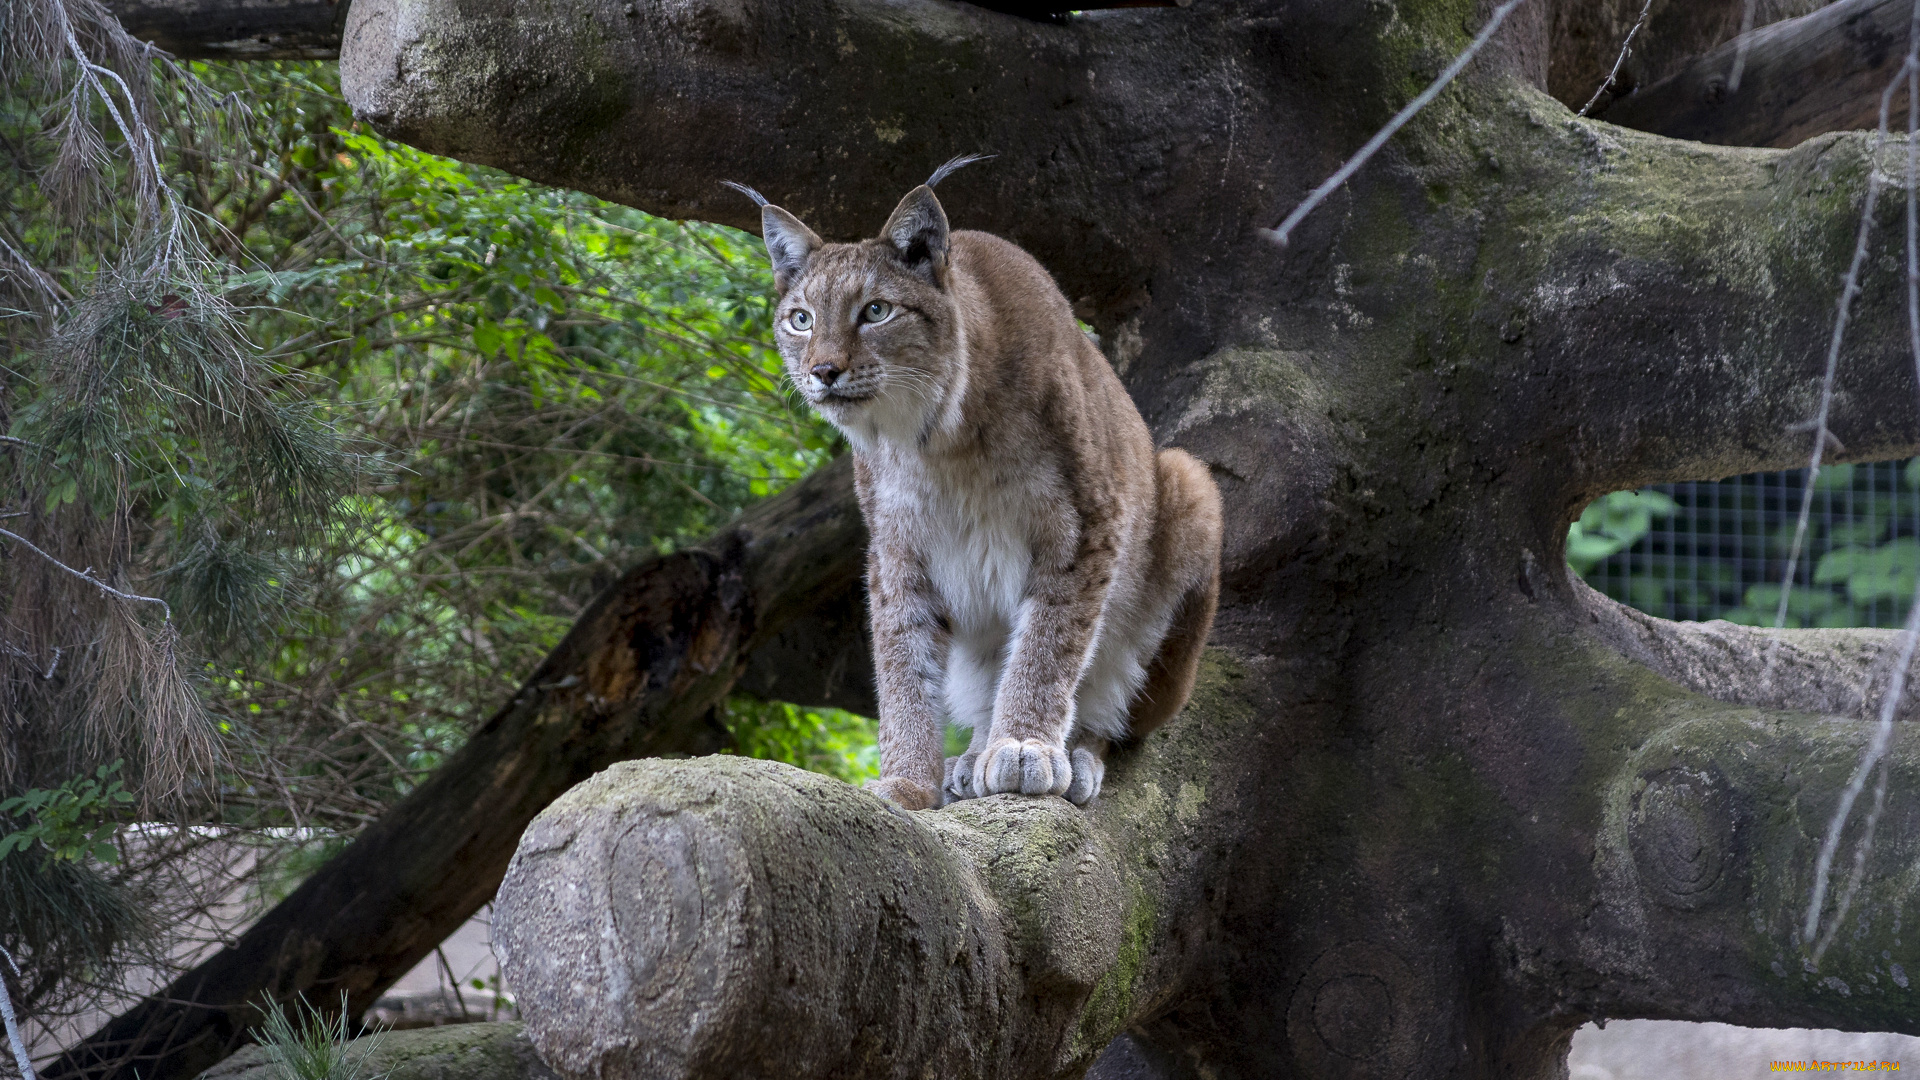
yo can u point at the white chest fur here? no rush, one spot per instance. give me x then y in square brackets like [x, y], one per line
[973, 535]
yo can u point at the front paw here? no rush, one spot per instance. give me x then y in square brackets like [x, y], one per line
[1022, 766]
[907, 794]
[1088, 772]
[959, 779]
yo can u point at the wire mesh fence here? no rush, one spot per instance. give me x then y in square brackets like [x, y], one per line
[1719, 550]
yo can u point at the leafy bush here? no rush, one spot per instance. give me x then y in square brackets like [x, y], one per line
[72, 822]
[1721, 549]
[360, 466]
[1613, 523]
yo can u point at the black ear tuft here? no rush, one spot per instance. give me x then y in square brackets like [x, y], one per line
[918, 232]
[758, 199]
[789, 245]
[955, 165]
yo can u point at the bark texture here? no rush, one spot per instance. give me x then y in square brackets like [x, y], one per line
[1435, 804]
[1802, 77]
[640, 674]
[1588, 35]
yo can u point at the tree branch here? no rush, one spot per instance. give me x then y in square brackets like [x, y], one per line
[1587, 38]
[1646, 331]
[1150, 128]
[821, 659]
[88, 576]
[237, 29]
[640, 674]
[1840, 672]
[1705, 857]
[728, 917]
[311, 29]
[1803, 77]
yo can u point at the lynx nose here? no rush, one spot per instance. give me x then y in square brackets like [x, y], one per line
[826, 373]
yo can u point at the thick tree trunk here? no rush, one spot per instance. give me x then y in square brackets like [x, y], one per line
[1436, 804]
[1802, 77]
[642, 673]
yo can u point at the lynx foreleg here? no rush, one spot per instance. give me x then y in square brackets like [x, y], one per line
[909, 651]
[1033, 709]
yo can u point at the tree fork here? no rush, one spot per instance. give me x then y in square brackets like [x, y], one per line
[641, 673]
[727, 918]
[1439, 808]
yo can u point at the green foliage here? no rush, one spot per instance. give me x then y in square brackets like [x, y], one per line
[558, 387]
[376, 447]
[68, 916]
[1863, 570]
[826, 741]
[308, 1044]
[74, 821]
[1724, 551]
[1611, 524]
[1805, 607]
[1872, 573]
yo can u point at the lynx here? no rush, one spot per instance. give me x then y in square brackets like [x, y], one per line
[1037, 572]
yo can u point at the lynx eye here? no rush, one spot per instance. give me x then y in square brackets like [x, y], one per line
[801, 320]
[876, 311]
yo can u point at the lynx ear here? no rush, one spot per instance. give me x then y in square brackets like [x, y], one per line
[789, 244]
[918, 231]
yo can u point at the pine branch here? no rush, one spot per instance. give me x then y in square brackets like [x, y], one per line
[87, 576]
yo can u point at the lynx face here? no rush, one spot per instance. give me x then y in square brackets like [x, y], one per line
[871, 332]
[869, 342]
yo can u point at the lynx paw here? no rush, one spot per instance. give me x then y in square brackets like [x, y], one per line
[1088, 771]
[1022, 766]
[959, 782]
[908, 794]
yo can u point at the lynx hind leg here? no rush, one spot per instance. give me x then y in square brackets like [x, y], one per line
[959, 773]
[905, 793]
[1089, 769]
[972, 669]
[1186, 554]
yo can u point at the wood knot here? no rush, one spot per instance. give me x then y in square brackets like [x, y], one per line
[657, 892]
[1353, 1014]
[1686, 834]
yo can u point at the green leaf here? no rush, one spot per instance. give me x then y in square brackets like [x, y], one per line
[1887, 572]
[487, 337]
